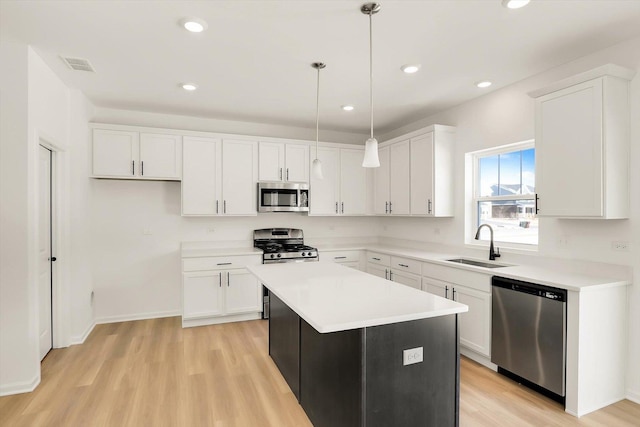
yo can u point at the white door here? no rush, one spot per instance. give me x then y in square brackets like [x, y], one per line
[243, 292]
[475, 325]
[201, 176]
[353, 183]
[44, 252]
[115, 153]
[297, 163]
[324, 193]
[377, 270]
[422, 175]
[399, 186]
[239, 177]
[160, 155]
[381, 183]
[436, 287]
[271, 167]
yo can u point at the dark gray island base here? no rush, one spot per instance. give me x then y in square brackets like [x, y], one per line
[356, 377]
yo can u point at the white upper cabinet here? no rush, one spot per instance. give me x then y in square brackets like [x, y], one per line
[239, 177]
[135, 155]
[219, 177]
[281, 161]
[160, 156]
[400, 179]
[582, 145]
[342, 191]
[201, 176]
[415, 176]
[381, 177]
[432, 173]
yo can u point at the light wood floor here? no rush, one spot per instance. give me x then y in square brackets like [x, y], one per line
[154, 373]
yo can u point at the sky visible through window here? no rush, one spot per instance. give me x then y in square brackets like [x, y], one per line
[508, 174]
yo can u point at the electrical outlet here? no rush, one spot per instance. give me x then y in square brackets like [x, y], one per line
[620, 246]
[412, 355]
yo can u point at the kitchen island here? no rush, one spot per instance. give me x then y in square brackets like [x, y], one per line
[358, 350]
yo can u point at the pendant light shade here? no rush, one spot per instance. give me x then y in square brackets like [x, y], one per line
[316, 166]
[371, 159]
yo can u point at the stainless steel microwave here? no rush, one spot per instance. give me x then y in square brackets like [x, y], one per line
[283, 196]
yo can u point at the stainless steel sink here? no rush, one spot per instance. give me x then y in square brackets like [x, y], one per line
[477, 263]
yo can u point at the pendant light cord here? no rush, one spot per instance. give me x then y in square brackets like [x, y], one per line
[317, 112]
[371, 67]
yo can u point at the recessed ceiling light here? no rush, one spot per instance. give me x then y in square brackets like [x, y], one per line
[410, 68]
[514, 4]
[483, 84]
[195, 25]
[347, 107]
[189, 86]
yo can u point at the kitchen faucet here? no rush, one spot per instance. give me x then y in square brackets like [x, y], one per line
[492, 254]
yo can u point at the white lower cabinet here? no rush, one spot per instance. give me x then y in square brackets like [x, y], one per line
[347, 258]
[219, 290]
[400, 270]
[475, 325]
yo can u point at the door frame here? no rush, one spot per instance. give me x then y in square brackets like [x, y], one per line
[60, 309]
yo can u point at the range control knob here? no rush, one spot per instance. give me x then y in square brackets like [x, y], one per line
[273, 256]
[279, 256]
[303, 254]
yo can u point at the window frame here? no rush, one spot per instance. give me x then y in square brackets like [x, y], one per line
[476, 199]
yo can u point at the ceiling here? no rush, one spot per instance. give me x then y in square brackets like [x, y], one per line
[253, 62]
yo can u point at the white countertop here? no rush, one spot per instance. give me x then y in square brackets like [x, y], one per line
[332, 298]
[569, 280]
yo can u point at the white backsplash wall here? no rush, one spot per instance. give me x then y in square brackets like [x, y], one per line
[137, 230]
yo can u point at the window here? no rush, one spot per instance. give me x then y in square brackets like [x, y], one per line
[504, 193]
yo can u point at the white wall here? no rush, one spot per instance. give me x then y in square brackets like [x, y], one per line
[507, 115]
[36, 108]
[18, 335]
[138, 275]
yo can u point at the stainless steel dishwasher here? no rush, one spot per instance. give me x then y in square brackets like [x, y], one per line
[528, 334]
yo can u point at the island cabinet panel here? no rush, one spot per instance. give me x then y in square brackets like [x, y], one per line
[284, 342]
[420, 394]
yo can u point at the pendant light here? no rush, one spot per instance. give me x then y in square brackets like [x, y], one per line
[316, 166]
[371, 146]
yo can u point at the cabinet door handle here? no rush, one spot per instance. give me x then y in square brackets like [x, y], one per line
[217, 206]
[386, 273]
[342, 207]
[453, 293]
[220, 275]
[142, 167]
[386, 207]
[429, 204]
[377, 259]
[336, 207]
[389, 207]
[537, 198]
[224, 263]
[228, 279]
[403, 265]
[339, 257]
[390, 275]
[287, 174]
[133, 167]
[446, 292]
[224, 206]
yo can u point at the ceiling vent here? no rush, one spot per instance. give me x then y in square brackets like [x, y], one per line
[78, 64]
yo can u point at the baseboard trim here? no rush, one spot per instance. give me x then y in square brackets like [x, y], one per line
[18, 388]
[80, 339]
[633, 396]
[483, 360]
[189, 323]
[142, 316]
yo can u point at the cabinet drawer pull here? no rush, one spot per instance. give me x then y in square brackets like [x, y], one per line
[377, 259]
[133, 167]
[228, 279]
[142, 167]
[287, 174]
[389, 207]
[342, 207]
[224, 263]
[339, 257]
[403, 265]
[386, 207]
[336, 207]
[220, 274]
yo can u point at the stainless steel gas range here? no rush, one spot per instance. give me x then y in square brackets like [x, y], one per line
[281, 245]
